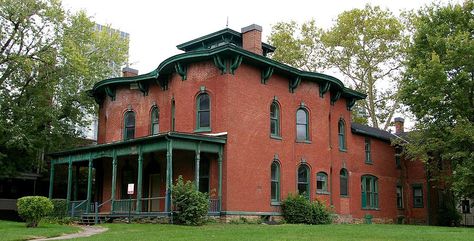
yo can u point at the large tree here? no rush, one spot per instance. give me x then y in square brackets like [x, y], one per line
[365, 45]
[48, 59]
[439, 90]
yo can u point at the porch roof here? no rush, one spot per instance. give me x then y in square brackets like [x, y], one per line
[183, 141]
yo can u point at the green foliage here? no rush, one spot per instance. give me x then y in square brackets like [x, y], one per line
[448, 215]
[34, 208]
[60, 208]
[365, 45]
[439, 91]
[191, 205]
[298, 209]
[48, 59]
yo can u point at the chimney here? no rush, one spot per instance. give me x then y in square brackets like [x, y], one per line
[129, 72]
[252, 38]
[399, 125]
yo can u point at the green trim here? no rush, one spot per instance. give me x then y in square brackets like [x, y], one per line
[324, 190]
[275, 118]
[110, 91]
[335, 97]
[89, 185]
[420, 204]
[277, 198]
[373, 195]
[154, 120]
[307, 192]
[368, 151]
[182, 70]
[323, 88]
[143, 87]
[127, 125]
[219, 166]
[69, 182]
[200, 111]
[220, 63]
[266, 74]
[350, 102]
[197, 164]
[236, 61]
[341, 132]
[51, 181]
[344, 177]
[114, 180]
[306, 124]
[139, 180]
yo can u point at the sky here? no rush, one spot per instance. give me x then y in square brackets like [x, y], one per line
[156, 27]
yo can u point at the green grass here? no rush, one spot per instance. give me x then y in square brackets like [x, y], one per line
[284, 232]
[18, 231]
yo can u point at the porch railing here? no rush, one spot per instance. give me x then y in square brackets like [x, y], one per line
[124, 205]
[153, 204]
[76, 208]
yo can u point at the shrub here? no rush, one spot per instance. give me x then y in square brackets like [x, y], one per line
[298, 209]
[448, 215]
[191, 205]
[60, 208]
[34, 208]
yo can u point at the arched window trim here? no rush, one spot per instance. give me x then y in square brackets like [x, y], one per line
[369, 190]
[199, 112]
[154, 122]
[341, 130]
[275, 181]
[275, 120]
[322, 183]
[344, 178]
[306, 125]
[306, 183]
[128, 128]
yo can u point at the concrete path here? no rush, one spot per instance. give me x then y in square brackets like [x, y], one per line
[86, 232]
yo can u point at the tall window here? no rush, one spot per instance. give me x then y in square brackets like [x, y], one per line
[398, 156]
[303, 181]
[203, 112]
[368, 156]
[155, 120]
[399, 196]
[275, 119]
[418, 196]
[370, 196]
[343, 181]
[302, 125]
[129, 125]
[321, 182]
[275, 182]
[204, 167]
[342, 135]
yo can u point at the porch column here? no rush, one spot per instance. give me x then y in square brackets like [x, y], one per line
[76, 182]
[219, 189]
[51, 180]
[69, 182]
[198, 160]
[89, 185]
[139, 181]
[169, 175]
[114, 179]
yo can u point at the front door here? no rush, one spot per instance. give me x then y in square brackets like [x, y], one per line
[154, 192]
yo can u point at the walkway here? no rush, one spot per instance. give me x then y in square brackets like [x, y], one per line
[86, 232]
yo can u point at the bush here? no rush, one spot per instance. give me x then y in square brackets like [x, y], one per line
[191, 205]
[34, 208]
[298, 209]
[448, 215]
[60, 208]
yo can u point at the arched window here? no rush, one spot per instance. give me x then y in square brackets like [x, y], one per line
[342, 135]
[275, 120]
[275, 182]
[370, 194]
[203, 110]
[344, 182]
[129, 125]
[321, 182]
[303, 181]
[155, 120]
[302, 125]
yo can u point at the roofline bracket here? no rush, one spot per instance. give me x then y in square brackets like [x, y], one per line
[335, 97]
[220, 64]
[323, 88]
[294, 83]
[236, 61]
[110, 91]
[162, 82]
[143, 87]
[266, 74]
[181, 69]
[350, 103]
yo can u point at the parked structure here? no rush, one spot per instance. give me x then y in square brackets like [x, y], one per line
[248, 130]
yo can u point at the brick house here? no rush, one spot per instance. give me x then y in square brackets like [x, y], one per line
[248, 130]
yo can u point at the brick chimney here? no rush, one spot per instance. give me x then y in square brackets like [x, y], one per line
[129, 72]
[399, 128]
[252, 38]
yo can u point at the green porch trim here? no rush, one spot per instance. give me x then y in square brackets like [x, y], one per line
[114, 180]
[51, 181]
[246, 213]
[182, 70]
[89, 185]
[139, 179]
[219, 164]
[198, 161]
[169, 175]
[69, 181]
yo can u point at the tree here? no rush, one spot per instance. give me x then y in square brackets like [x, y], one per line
[439, 89]
[48, 59]
[365, 45]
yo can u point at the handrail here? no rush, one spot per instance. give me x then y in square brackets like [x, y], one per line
[96, 211]
[75, 205]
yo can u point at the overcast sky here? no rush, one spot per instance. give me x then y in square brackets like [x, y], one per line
[156, 27]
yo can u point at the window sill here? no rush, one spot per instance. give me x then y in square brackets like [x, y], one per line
[372, 209]
[323, 192]
[369, 163]
[202, 130]
[418, 207]
[274, 203]
[344, 196]
[303, 141]
[400, 208]
[342, 150]
[276, 137]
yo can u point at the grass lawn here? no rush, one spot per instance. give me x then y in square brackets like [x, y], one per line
[284, 232]
[18, 231]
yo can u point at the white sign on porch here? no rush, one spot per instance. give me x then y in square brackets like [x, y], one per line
[131, 188]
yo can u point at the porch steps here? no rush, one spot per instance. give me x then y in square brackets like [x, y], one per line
[89, 219]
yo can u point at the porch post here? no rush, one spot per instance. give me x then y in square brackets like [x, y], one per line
[51, 180]
[114, 179]
[69, 182]
[139, 181]
[169, 175]
[76, 182]
[198, 160]
[219, 191]
[89, 185]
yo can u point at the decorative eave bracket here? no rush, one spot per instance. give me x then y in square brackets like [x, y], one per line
[236, 61]
[294, 83]
[266, 74]
[181, 69]
[350, 103]
[324, 88]
[220, 64]
[163, 82]
[335, 97]
[110, 91]
[143, 87]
